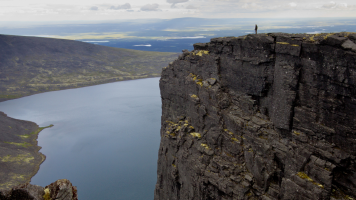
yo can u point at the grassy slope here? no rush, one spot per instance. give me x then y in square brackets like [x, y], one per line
[19, 154]
[30, 65]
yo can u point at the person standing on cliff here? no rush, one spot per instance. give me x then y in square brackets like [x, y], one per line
[256, 27]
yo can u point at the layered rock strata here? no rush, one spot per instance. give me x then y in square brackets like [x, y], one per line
[266, 116]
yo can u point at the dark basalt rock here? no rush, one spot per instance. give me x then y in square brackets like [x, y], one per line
[60, 190]
[266, 116]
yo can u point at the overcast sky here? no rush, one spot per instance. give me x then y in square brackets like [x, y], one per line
[89, 10]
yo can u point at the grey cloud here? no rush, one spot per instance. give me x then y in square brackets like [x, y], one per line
[174, 2]
[95, 8]
[150, 7]
[124, 6]
[177, 1]
[191, 7]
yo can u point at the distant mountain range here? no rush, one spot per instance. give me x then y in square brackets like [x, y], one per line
[30, 65]
[178, 28]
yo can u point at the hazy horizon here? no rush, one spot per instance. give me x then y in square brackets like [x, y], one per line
[35, 10]
[177, 28]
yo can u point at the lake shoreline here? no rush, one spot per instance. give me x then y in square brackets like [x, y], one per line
[31, 65]
[75, 86]
[19, 156]
[20, 127]
[80, 135]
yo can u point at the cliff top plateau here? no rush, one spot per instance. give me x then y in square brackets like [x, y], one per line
[263, 116]
[30, 65]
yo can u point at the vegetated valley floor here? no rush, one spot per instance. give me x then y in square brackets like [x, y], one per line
[20, 158]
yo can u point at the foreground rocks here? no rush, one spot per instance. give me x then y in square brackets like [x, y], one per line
[267, 116]
[60, 190]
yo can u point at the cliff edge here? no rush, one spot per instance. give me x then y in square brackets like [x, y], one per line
[266, 116]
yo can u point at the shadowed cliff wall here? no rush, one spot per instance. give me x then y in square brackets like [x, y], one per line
[267, 116]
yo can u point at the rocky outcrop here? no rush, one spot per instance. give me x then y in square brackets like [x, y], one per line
[266, 116]
[60, 190]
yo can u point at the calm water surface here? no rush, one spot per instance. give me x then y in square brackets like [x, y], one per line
[105, 138]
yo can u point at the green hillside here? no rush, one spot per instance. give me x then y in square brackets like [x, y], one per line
[30, 65]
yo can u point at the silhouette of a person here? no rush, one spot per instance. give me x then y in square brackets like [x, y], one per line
[256, 27]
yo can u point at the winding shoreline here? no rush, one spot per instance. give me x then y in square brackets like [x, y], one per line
[20, 158]
[74, 86]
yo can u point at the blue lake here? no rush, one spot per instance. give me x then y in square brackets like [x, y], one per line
[105, 138]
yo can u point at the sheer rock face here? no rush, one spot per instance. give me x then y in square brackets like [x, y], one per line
[267, 116]
[60, 190]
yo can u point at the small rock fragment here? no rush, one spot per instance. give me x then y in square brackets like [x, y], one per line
[211, 81]
[349, 45]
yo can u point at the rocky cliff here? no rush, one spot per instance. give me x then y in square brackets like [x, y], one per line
[267, 116]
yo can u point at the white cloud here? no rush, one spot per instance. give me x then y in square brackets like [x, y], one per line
[252, 6]
[29, 10]
[150, 7]
[338, 6]
[329, 5]
[293, 4]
